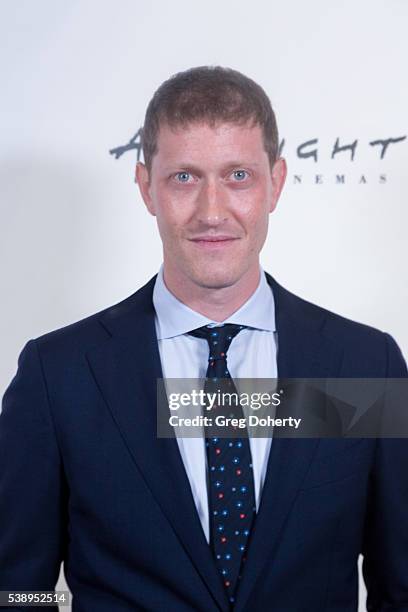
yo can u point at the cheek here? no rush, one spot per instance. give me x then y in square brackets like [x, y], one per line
[252, 210]
[171, 217]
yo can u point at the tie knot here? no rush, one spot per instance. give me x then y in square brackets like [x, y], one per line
[219, 338]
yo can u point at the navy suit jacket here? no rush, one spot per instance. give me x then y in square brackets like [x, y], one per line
[84, 479]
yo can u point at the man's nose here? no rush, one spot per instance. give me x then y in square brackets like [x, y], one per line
[212, 203]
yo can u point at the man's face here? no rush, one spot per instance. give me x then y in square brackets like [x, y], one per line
[211, 190]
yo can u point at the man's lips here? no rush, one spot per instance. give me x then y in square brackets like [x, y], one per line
[214, 241]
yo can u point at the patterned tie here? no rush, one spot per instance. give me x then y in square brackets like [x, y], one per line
[231, 485]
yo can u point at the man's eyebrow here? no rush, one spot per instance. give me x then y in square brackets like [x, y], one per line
[178, 166]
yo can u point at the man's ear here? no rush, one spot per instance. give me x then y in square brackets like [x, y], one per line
[279, 172]
[143, 180]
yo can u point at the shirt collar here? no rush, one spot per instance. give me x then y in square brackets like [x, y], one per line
[173, 318]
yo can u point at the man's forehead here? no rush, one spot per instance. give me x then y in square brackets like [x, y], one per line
[219, 126]
[202, 139]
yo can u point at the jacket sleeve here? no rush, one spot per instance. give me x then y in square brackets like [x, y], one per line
[385, 546]
[32, 487]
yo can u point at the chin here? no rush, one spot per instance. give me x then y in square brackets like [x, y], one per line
[216, 278]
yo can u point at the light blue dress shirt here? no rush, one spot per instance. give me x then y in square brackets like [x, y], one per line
[252, 354]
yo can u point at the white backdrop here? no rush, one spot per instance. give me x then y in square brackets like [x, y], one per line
[76, 79]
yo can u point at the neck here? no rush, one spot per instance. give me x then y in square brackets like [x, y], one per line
[216, 303]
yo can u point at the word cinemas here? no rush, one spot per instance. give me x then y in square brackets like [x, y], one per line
[341, 152]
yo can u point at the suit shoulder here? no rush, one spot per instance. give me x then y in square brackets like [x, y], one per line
[88, 330]
[328, 321]
[334, 326]
[364, 344]
[360, 343]
[338, 325]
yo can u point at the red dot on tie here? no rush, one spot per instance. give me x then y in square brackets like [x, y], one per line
[223, 539]
[222, 354]
[238, 472]
[217, 451]
[227, 583]
[242, 516]
[220, 495]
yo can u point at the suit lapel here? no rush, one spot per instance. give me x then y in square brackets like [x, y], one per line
[126, 368]
[303, 351]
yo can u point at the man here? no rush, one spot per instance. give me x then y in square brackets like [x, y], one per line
[147, 523]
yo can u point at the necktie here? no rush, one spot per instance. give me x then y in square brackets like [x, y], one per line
[231, 494]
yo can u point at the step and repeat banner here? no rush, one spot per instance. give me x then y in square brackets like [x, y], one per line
[76, 79]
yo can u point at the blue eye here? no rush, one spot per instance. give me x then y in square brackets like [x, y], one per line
[183, 177]
[240, 175]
